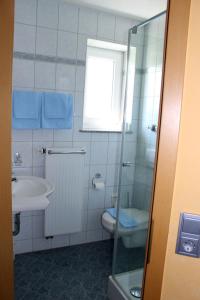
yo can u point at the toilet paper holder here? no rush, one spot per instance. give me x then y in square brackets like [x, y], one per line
[96, 176]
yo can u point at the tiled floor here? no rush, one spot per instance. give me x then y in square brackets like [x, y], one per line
[71, 273]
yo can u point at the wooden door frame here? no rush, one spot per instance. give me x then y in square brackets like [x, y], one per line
[171, 99]
[6, 54]
[173, 82]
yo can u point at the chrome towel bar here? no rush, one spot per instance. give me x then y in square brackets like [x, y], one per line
[81, 151]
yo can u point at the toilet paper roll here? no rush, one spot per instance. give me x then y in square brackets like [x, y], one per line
[98, 185]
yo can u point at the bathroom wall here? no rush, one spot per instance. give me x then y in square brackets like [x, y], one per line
[148, 110]
[46, 29]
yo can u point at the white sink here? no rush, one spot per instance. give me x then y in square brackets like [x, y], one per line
[30, 193]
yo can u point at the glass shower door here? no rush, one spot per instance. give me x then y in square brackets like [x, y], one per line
[144, 73]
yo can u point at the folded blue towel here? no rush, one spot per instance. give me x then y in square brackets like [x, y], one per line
[26, 110]
[57, 111]
[124, 219]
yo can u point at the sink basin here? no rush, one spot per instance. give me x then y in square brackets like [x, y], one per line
[30, 193]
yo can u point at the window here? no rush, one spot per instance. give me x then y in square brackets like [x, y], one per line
[104, 86]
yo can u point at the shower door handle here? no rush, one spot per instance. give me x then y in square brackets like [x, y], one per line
[127, 164]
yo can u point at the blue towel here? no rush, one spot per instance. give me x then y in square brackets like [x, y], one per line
[26, 110]
[57, 111]
[124, 219]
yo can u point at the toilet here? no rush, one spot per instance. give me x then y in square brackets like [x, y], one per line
[131, 237]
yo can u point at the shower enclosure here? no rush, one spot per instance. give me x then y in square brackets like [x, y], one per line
[142, 104]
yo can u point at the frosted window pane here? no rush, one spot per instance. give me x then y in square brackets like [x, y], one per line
[99, 87]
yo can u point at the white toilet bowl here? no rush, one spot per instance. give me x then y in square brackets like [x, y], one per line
[132, 237]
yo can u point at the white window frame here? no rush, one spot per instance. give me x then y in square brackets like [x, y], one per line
[107, 49]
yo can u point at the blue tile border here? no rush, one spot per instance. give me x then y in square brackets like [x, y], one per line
[46, 58]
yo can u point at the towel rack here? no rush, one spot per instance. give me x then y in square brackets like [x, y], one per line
[82, 151]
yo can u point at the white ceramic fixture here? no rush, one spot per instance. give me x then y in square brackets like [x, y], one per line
[30, 193]
[132, 237]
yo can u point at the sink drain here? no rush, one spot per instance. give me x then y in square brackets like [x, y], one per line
[136, 292]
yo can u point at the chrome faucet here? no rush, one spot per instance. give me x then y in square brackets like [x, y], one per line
[18, 159]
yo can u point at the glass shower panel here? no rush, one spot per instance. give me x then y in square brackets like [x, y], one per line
[138, 153]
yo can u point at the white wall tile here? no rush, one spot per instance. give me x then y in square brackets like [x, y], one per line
[67, 44]
[150, 57]
[25, 229]
[23, 73]
[94, 235]
[94, 219]
[82, 47]
[85, 198]
[64, 135]
[65, 77]
[78, 104]
[38, 213]
[112, 177]
[106, 235]
[88, 21]
[148, 85]
[80, 78]
[99, 153]
[60, 241]
[96, 199]
[20, 171]
[129, 152]
[39, 172]
[45, 74]
[78, 238]
[115, 137]
[136, 106]
[99, 137]
[106, 26]
[158, 80]
[41, 135]
[38, 226]
[47, 14]
[46, 42]
[19, 135]
[111, 196]
[62, 144]
[68, 17]
[23, 246]
[128, 175]
[86, 146]
[41, 244]
[25, 11]
[24, 38]
[114, 152]
[122, 27]
[84, 220]
[137, 85]
[86, 176]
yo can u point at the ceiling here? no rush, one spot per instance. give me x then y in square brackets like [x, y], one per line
[138, 8]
